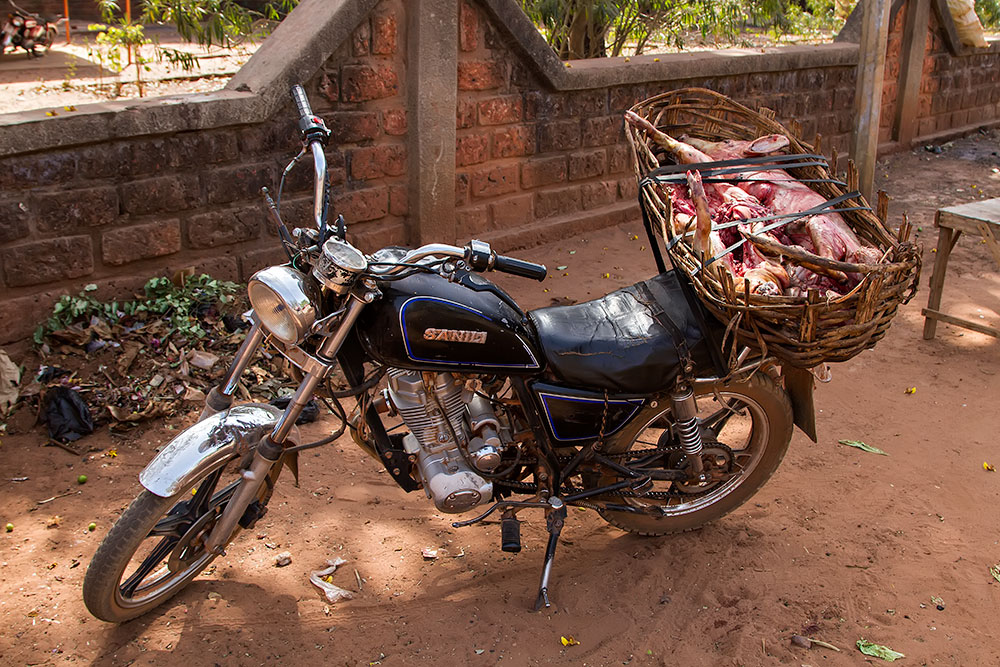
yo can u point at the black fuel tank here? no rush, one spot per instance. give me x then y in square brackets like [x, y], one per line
[427, 322]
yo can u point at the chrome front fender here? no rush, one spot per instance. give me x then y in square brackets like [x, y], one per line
[201, 447]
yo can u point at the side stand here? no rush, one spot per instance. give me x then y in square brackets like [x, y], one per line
[555, 518]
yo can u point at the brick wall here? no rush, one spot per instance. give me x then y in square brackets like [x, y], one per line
[957, 91]
[539, 153]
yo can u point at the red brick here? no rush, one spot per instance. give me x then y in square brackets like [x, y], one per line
[471, 221]
[161, 195]
[595, 195]
[515, 141]
[47, 261]
[255, 260]
[471, 149]
[378, 161]
[589, 103]
[628, 189]
[361, 83]
[493, 181]
[587, 164]
[361, 40]
[625, 97]
[219, 228]
[557, 202]
[468, 27]
[384, 34]
[240, 182]
[479, 75]
[14, 218]
[348, 127]
[130, 244]
[545, 105]
[329, 88]
[399, 200]
[602, 131]
[374, 235]
[500, 110]
[512, 211]
[361, 205]
[559, 135]
[461, 189]
[543, 171]
[465, 115]
[59, 212]
[33, 171]
[619, 159]
[394, 122]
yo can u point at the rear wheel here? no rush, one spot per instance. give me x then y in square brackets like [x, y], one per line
[157, 546]
[745, 437]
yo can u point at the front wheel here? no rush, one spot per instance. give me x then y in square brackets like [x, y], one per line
[157, 547]
[745, 435]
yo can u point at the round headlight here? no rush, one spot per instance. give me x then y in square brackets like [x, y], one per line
[285, 301]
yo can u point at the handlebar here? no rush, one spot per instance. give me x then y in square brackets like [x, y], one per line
[478, 255]
[301, 102]
[520, 267]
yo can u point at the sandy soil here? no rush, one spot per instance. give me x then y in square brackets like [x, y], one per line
[840, 545]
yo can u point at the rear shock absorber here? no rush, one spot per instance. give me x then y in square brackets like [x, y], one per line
[688, 432]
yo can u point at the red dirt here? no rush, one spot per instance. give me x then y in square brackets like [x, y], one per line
[840, 545]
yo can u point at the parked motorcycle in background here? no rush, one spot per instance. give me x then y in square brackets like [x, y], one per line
[621, 405]
[28, 31]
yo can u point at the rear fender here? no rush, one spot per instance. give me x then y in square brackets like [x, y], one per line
[207, 444]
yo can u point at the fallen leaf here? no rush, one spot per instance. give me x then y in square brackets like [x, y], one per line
[910, 390]
[878, 651]
[569, 641]
[988, 467]
[606, 275]
[862, 446]
[112, 453]
[995, 571]
[428, 553]
[53, 521]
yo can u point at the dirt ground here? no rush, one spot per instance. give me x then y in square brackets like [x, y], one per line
[840, 545]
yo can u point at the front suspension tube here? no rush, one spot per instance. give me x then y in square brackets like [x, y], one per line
[221, 396]
[271, 447]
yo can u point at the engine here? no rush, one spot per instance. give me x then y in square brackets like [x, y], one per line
[453, 436]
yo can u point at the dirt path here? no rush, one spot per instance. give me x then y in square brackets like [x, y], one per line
[840, 545]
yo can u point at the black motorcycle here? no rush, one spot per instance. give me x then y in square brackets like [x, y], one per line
[622, 404]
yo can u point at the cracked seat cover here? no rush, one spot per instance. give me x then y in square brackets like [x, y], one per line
[626, 342]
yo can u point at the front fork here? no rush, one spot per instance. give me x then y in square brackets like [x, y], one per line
[272, 446]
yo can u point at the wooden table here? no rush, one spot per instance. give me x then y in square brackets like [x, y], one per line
[981, 218]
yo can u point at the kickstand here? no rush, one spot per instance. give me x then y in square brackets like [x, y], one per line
[555, 518]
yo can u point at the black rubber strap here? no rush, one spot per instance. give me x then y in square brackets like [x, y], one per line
[776, 160]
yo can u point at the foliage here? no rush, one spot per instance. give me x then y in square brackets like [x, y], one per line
[989, 13]
[180, 306]
[117, 34]
[216, 22]
[593, 28]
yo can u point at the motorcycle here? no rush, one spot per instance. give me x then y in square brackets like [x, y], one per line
[28, 31]
[622, 404]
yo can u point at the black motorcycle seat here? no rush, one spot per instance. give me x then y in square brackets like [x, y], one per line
[630, 341]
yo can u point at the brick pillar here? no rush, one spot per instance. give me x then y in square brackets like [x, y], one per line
[432, 97]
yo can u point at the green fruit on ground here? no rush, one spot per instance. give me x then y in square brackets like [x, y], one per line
[82, 479]
[92, 527]
[10, 528]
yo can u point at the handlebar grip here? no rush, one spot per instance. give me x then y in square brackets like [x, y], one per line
[519, 267]
[301, 101]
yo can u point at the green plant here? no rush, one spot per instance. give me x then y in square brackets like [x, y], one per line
[989, 13]
[180, 306]
[221, 22]
[118, 34]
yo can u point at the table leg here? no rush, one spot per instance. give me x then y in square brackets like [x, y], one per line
[946, 241]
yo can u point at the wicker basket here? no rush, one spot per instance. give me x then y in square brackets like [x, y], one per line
[803, 331]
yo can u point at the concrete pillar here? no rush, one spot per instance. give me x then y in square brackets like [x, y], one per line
[432, 98]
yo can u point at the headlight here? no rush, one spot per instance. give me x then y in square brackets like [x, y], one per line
[284, 299]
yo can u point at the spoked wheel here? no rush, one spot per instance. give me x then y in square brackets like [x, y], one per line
[157, 547]
[745, 437]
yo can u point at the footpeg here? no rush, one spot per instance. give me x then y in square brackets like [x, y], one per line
[510, 534]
